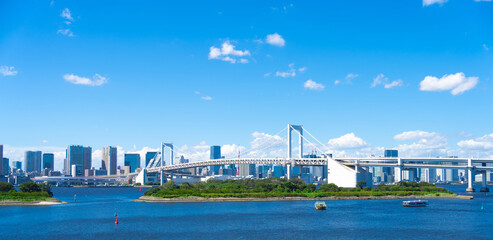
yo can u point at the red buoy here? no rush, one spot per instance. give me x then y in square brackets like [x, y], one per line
[116, 221]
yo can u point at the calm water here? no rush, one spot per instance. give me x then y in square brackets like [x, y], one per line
[92, 218]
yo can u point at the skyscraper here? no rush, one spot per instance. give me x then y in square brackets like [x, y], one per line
[32, 161]
[74, 156]
[215, 154]
[149, 156]
[86, 158]
[48, 161]
[109, 160]
[5, 166]
[132, 160]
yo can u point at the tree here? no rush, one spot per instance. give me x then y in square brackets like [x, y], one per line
[29, 187]
[5, 187]
[329, 188]
[361, 184]
[45, 187]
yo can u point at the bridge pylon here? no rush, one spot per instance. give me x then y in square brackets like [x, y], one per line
[299, 129]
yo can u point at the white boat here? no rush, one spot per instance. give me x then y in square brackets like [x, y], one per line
[415, 203]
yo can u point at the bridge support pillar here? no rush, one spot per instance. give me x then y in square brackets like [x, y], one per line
[484, 187]
[162, 177]
[470, 176]
[288, 170]
[398, 171]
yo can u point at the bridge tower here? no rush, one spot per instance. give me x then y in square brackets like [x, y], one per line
[163, 162]
[299, 129]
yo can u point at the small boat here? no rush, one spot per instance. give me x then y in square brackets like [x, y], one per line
[415, 203]
[320, 206]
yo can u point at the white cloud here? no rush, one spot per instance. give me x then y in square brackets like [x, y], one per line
[396, 83]
[312, 85]
[66, 32]
[430, 2]
[97, 80]
[66, 14]
[350, 77]
[207, 98]
[275, 39]
[197, 92]
[348, 141]
[336, 82]
[228, 53]
[45, 141]
[482, 143]
[7, 71]
[486, 47]
[267, 74]
[457, 83]
[291, 72]
[482, 0]
[380, 79]
[426, 144]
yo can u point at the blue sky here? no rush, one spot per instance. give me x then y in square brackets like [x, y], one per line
[360, 75]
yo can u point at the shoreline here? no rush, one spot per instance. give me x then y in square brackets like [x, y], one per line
[47, 202]
[150, 199]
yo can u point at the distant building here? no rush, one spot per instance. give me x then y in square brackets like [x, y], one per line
[109, 160]
[5, 166]
[252, 169]
[87, 158]
[77, 170]
[243, 170]
[32, 161]
[215, 153]
[132, 160]
[48, 161]
[391, 153]
[149, 156]
[73, 155]
[16, 165]
[278, 171]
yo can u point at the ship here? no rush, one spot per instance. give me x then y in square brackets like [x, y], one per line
[415, 203]
[320, 206]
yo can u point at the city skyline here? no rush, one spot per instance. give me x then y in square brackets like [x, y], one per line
[412, 76]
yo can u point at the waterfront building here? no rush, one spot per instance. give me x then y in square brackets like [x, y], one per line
[215, 153]
[32, 161]
[5, 166]
[109, 160]
[48, 161]
[73, 155]
[132, 160]
[428, 175]
[149, 156]
[252, 169]
[87, 158]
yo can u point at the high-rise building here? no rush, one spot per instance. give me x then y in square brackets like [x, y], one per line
[16, 165]
[87, 158]
[149, 156]
[391, 153]
[1, 157]
[74, 156]
[252, 169]
[109, 160]
[48, 161]
[32, 161]
[5, 166]
[215, 154]
[132, 160]
[243, 170]
[278, 171]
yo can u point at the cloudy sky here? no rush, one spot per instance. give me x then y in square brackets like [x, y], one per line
[361, 76]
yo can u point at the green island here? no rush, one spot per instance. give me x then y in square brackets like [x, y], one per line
[282, 189]
[29, 194]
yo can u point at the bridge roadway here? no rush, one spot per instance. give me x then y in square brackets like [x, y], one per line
[460, 163]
